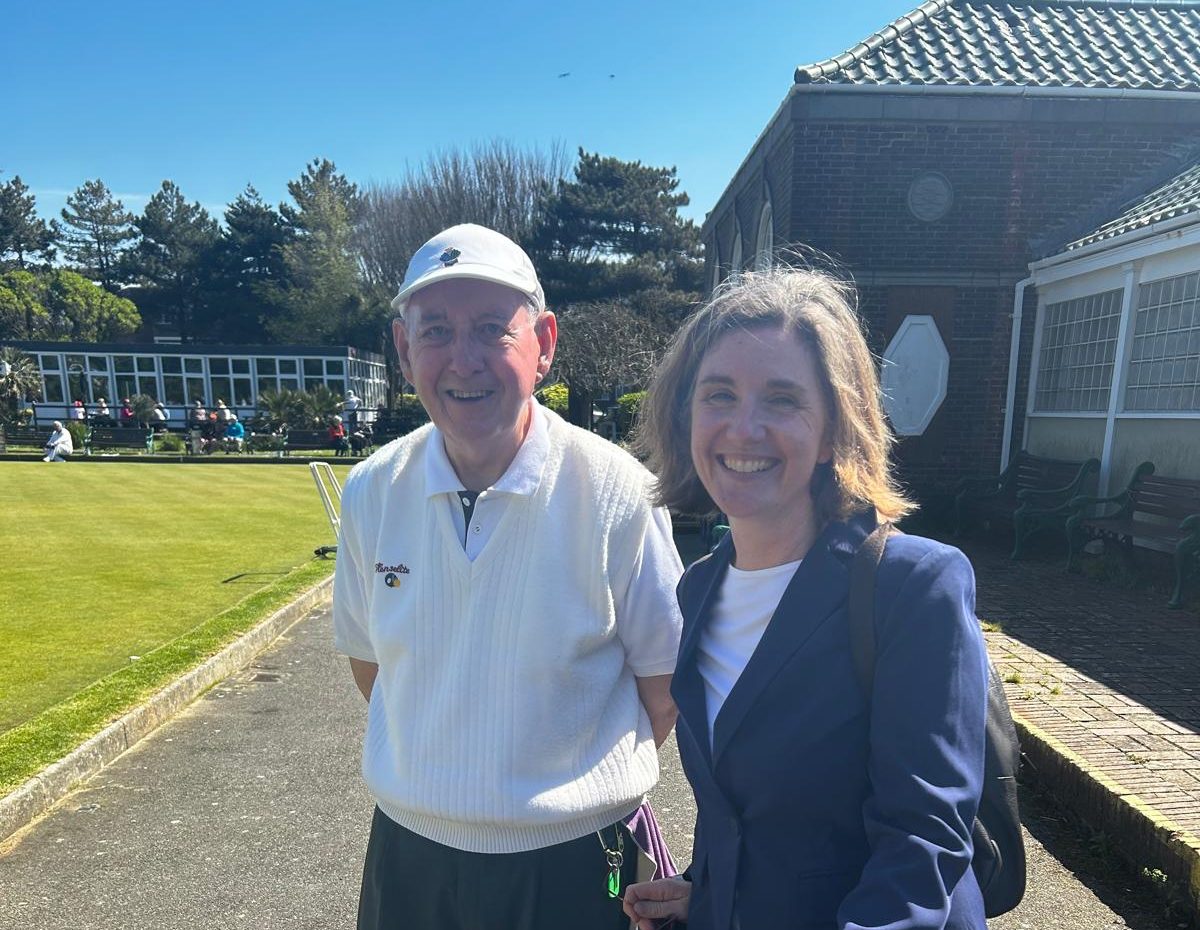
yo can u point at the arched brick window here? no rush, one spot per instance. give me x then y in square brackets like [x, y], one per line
[764, 242]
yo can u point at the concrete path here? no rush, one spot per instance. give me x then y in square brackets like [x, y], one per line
[247, 811]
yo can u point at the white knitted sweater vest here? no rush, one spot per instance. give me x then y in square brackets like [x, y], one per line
[504, 717]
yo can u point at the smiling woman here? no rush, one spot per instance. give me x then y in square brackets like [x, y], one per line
[760, 428]
[820, 802]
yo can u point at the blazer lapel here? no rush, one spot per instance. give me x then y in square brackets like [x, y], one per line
[696, 602]
[819, 587]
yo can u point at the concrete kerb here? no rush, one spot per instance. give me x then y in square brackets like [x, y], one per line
[36, 796]
[1143, 836]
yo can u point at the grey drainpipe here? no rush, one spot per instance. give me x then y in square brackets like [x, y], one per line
[1014, 349]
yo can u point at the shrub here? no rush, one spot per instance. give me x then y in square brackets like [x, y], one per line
[142, 406]
[555, 396]
[408, 413]
[628, 406]
[169, 442]
[78, 431]
[319, 406]
[276, 408]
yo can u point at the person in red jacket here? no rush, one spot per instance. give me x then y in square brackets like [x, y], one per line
[337, 437]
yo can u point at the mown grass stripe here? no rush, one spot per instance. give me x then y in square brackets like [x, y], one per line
[27, 749]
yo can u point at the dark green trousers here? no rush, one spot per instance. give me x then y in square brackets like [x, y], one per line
[411, 883]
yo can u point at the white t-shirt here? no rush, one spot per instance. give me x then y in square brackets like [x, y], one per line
[744, 606]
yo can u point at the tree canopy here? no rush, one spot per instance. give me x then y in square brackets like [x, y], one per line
[173, 261]
[619, 264]
[57, 304]
[248, 264]
[24, 236]
[496, 185]
[319, 296]
[614, 232]
[97, 232]
[621, 267]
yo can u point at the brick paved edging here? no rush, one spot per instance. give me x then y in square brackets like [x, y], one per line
[52, 784]
[1144, 836]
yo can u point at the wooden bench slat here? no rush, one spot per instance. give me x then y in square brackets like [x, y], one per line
[1137, 528]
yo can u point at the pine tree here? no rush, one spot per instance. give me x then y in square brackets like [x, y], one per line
[620, 265]
[249, 264]
[23, 234]
[321, 297]
[97, 234]
[174, 260]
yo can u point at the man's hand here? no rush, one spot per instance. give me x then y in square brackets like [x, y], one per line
[364, 675]
[654, 904]
[655, 695]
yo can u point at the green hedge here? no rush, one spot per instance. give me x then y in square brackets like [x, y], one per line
[555, 397]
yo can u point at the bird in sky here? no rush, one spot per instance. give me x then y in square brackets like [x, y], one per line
[565, 74]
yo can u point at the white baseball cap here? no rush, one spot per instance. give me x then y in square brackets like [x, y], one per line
[470, 251]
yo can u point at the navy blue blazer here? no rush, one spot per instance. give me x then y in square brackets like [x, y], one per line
[815, 811]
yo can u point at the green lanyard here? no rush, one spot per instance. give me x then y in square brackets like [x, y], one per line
[616, 859]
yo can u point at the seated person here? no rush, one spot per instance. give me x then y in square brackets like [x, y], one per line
[197, 415]
[337, 437]
[59, 445]
[235, 435]
[212, 433]
[126, 413]
[102, 416]
[360, 438]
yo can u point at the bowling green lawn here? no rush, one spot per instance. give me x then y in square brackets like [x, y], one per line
[117, 577]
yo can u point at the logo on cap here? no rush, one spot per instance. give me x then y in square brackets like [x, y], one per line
[449, 257]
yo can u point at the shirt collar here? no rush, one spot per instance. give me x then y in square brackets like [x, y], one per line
[522, 476]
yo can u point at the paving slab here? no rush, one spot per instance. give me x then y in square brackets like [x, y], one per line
[1104, 683]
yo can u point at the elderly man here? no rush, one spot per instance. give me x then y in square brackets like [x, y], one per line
[505, 593]
[59, 444]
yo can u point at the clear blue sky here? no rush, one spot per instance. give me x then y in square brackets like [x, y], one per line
[214, 94]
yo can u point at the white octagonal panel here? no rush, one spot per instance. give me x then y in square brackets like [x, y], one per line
[915, 368]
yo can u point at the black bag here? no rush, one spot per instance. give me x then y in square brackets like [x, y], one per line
[999, 859]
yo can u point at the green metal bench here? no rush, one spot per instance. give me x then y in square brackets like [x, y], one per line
[25, 436]
[1165, 511]
[309, 440]
[1035, 487]
[127, 437]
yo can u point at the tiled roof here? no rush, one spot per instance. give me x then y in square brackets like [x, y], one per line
[1179, 196]
[1116, 44]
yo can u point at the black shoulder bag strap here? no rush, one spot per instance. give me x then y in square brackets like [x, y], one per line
[862, 605]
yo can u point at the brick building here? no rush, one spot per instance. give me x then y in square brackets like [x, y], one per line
[942, 155]
[1116, 347]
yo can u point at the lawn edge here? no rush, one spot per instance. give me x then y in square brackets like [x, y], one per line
[37, 795]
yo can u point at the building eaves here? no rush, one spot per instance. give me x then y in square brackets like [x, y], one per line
[1135, 45]
[1178, 197]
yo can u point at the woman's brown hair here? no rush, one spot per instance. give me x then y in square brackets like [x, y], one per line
[818, 309]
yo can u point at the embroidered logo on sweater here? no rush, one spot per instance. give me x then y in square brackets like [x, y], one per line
[391, 573]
